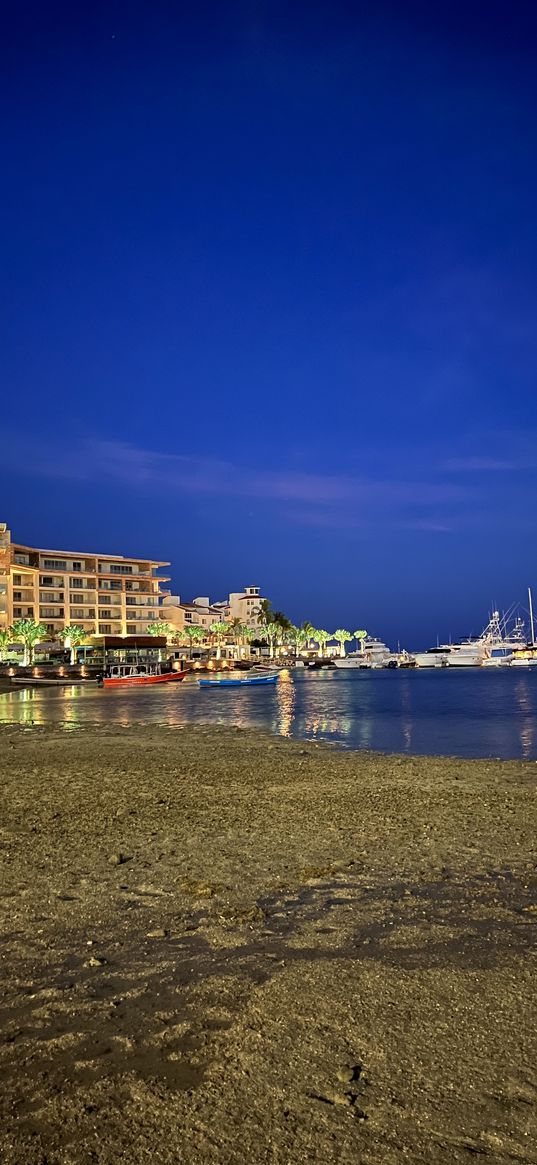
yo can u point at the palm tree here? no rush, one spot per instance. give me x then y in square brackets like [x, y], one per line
[240, 632]
[360, 636]
[72, 636]
[342, 637]
[321, 638]
[159, 628]
[28, 632]
[6, 637]
[308, 630]
[192, 631]
[219, 630]
[264, 612]
[297, 636]
[282, 620]
[272, 625]
[270, 633]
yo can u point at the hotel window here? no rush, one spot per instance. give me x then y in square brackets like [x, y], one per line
[77, 566]
[54, 564]
[77, 583]
[105, 628]
[131, 628]
[113, 569]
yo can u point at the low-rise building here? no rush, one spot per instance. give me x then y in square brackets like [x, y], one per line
[198, 613]
[104, 593]
[243, 605]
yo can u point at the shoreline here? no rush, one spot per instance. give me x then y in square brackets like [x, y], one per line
[104, 727]
[228, 946]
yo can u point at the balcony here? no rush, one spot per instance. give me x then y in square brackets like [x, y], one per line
[137, 603]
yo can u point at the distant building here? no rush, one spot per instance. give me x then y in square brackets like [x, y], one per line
[243, 605]
[199, 613]
[104, 593]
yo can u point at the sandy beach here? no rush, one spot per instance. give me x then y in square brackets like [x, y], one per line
[222, 948]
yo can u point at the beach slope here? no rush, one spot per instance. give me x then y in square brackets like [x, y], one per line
[222, 948]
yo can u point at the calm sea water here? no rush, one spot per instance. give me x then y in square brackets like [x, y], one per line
[470, 713]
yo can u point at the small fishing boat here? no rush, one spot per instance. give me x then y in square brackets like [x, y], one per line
[238, 681]
[132, 675]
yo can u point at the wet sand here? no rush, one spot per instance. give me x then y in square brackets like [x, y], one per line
[221, 948]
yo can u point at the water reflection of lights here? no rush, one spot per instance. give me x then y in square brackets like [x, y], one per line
[527, 727]
[21, 706]
[286, 698]
[389, 711]
[406, 704]
[327, 725]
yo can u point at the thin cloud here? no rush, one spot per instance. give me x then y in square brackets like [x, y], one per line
[311, 499]
[481, 465]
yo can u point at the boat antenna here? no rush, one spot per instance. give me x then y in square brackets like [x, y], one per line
[531, 617]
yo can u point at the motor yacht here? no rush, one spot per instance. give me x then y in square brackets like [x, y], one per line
[374, 653]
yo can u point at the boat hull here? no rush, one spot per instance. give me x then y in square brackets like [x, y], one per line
[429, 659]
[173, 677]
[35, 681]
[253, 681]
[461, 659]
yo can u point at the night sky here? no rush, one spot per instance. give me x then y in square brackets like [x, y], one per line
[269, 299]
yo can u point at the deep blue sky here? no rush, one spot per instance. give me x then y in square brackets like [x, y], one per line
[269, 299]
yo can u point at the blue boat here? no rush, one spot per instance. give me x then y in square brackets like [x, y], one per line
[243, 682]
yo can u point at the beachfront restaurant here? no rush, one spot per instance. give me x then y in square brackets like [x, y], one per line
[106, 650]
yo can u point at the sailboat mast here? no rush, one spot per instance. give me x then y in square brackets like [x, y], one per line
[531, 617]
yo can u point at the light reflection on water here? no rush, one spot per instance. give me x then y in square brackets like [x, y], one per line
[470, 713]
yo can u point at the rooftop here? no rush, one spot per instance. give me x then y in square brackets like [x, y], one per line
[19, 547]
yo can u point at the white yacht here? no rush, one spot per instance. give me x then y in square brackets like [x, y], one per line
[494, 647]
[373, 653]
[525, 654]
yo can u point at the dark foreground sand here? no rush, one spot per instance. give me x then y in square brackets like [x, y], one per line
[224, 948]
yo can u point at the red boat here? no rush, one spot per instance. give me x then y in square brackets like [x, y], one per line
[131, 675]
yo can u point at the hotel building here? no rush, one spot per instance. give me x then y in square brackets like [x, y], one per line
[104, 593]
[243, 605]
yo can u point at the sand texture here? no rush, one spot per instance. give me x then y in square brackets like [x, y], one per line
[221, 948]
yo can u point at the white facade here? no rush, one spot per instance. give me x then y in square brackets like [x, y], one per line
[243, 605]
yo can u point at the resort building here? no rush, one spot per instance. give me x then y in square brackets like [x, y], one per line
[243, 605]
[199, 613]
[106, 594]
